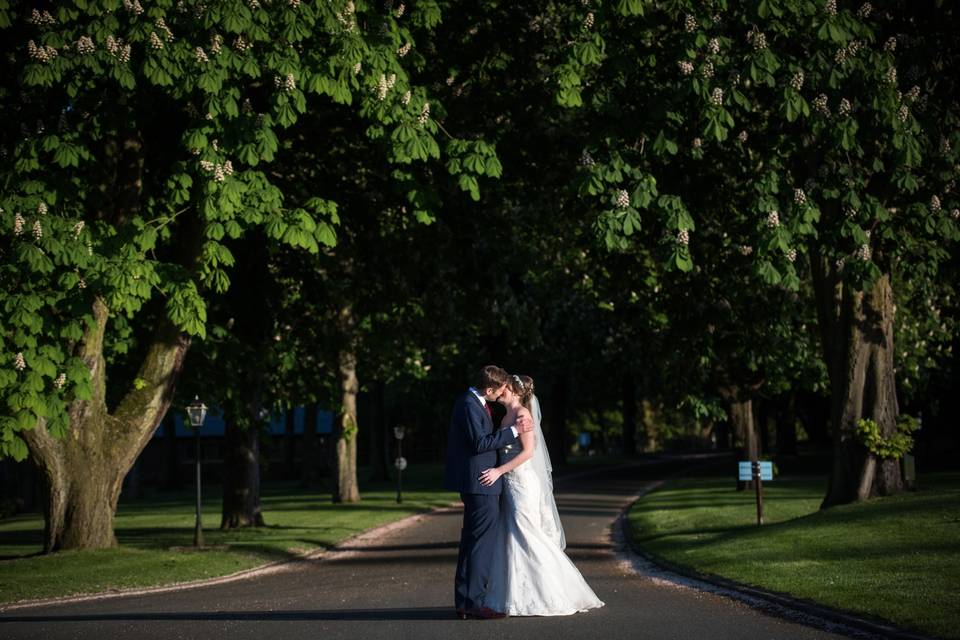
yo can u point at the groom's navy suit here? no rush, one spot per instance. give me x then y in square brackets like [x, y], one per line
[472, 447]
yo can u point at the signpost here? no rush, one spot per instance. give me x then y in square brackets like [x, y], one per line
[757, 471]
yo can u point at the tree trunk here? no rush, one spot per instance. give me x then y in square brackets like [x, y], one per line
[744, 426]
[345, 488]
[787, 427]
[241, 475]
[629, 408]
[379, 442]
[309, 472]
[82, 472]
[856, 328]
[290, 444]
[650, 421]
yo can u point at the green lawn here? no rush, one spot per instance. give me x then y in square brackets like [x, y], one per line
[897, 558]
[149, 528]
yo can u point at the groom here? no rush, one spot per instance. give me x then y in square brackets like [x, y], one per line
[472, 447]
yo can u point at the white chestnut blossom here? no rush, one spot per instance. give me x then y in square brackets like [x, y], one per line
[844, 108]
[200, 55]
[799, 196]
[60, 380]
[399, 12]
[588, 21]
[155, 42]
[820, 103]
[85, 45]
[773, 219]
[690, 23]
[37, 230]
[792, 255]
[831, 7]
[864, 253]
[118, 49]
[43, 53]
[686, 68]
[285, 83]
[716, 97]
[890, 44]
[404, 50]
[742, 136]
[683, 237]
[623, 199]
[746, 249]
[934, 204]
[18, 362]
[714, 46]
[865, 10]
[18, 222]
[891, 75]
[241, 44]
[955, 213]
[797, 80]
[903, 113]
[424, 114]
[707, 70]
[162, 27]
[586, 160]
[757, 39]
[850, 212]
[406, 98]
[42, 208]
[77, 228]
[697, 143]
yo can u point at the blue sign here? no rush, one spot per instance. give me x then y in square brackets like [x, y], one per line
[746, 471]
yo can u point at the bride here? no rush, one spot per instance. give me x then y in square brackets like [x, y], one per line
[531, 574]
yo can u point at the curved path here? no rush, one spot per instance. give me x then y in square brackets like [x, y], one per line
[398, 584]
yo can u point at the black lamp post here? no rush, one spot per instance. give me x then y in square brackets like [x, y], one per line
[197, 411]
[400, 463]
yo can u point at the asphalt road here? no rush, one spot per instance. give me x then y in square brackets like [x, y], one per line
[400, 585]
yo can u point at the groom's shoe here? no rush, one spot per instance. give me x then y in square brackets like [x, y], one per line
[486, 613]
[462, 614]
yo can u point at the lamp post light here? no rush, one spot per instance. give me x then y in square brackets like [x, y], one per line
[197, 411]
[400, 463]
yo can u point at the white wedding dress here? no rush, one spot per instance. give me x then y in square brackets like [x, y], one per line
[531, 574]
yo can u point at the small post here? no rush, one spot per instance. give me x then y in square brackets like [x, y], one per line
[198, 526]
[758, 485]
[400, 463]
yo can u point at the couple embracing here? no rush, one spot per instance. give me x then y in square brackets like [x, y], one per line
[511, 559]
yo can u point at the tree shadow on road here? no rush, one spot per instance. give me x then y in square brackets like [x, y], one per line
[412, 613]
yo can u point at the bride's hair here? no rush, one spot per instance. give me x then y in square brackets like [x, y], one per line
[523, 387]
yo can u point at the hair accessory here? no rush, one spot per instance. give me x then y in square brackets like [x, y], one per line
[519, 382]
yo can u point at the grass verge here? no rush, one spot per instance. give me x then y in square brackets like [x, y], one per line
[896, 558]
[154, 531]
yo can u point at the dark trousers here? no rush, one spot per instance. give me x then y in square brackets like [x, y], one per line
[481, 514]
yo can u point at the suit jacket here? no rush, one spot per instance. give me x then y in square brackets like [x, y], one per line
[472, 447]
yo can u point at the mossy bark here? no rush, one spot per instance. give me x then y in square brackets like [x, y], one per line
[82, 472]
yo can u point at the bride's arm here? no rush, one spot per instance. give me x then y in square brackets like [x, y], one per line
[489, 476]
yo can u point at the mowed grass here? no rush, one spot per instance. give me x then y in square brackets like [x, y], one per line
[896, 558]
[153, 530]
